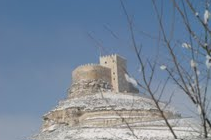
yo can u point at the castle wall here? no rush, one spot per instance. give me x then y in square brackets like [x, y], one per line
[91, 72]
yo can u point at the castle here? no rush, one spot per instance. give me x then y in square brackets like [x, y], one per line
[101, 91]
[101, 97]
[111, 70]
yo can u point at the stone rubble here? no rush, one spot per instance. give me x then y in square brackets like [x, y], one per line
[88, 87]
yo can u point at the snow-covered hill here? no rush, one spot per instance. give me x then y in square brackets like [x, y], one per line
[184, 129]
[150, 128]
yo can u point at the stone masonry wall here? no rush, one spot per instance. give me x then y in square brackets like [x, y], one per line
[91, 72]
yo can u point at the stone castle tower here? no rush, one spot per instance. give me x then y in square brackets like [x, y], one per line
[109, 74]
[118, 68]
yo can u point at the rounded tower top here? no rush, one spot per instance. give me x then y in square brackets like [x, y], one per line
[91, 72]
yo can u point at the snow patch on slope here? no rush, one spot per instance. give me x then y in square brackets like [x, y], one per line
[108, 100]
[143, 133]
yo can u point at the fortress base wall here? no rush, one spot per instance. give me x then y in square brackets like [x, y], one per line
[88, 87]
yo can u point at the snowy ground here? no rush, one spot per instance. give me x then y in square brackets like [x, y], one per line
[151, 130]
[145, 133]
[185, 129]
[109, 99]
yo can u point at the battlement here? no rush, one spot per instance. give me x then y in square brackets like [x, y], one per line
[89, 64]
[112, 56]
[111, 69]
[106, 56]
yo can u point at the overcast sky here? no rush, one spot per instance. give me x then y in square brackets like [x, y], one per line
[42, 41]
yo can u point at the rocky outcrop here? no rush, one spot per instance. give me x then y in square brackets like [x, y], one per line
[105, 109]
[88, 87]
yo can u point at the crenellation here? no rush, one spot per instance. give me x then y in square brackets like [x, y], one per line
[89, 64]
